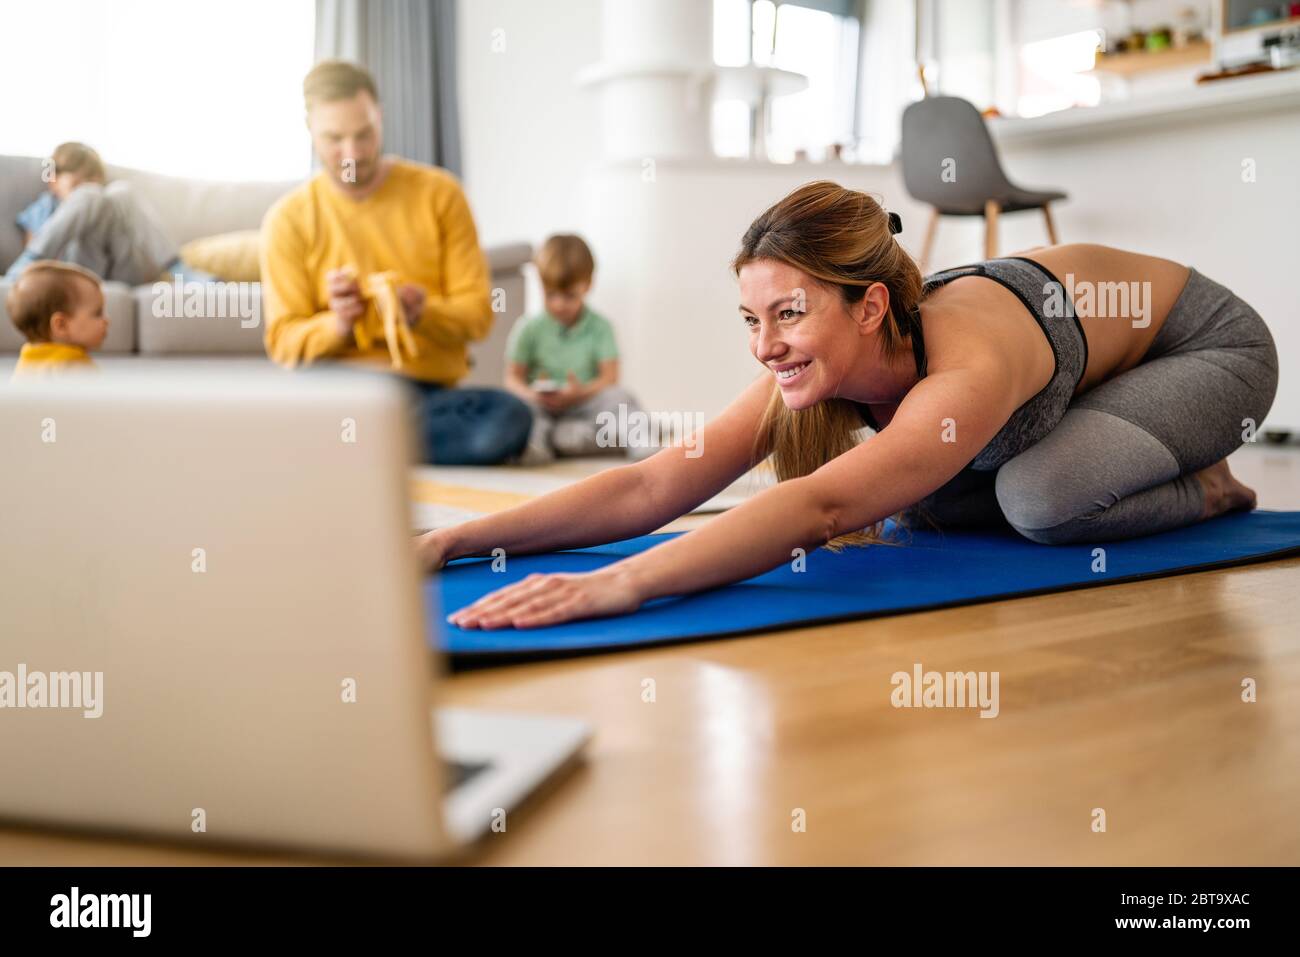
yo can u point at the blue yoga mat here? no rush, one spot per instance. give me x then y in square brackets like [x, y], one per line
[934, 570]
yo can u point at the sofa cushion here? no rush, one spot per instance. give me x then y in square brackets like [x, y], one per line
[20, 185]
[488, 356]
[192, 318]
[192, 208]
[229, 256]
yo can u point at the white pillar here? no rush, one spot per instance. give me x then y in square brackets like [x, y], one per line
[655, 78]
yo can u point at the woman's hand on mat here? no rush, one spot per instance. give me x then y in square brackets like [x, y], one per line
[540, 600]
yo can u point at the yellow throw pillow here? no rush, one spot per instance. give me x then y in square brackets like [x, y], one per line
[229, 256]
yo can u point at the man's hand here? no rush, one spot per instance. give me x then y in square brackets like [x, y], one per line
[412, 298]
[344, 298]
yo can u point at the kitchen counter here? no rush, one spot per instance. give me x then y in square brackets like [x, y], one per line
[1258, 93]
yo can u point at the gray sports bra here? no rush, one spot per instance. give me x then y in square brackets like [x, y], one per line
[1035, 286]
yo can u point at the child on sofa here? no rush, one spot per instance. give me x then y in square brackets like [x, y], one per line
[563, 362]
[59, 309]
[85, 219]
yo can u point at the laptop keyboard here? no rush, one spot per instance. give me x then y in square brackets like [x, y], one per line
[459, 772]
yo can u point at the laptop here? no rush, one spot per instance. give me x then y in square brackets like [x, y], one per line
[213, 629]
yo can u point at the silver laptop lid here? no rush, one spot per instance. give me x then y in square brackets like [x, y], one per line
[223, 562]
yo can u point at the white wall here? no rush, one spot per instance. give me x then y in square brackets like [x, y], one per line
[529, 131]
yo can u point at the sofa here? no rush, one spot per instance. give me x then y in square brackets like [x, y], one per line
[189, 209]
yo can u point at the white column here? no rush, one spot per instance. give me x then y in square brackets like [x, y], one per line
[654, 78]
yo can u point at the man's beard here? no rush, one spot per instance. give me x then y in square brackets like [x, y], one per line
[358, 176]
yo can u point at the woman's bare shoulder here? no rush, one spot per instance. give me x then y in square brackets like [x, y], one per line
[972, 321]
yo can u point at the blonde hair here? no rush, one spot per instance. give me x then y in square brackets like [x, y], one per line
[841, 238]
[79, 158]
[331, 80]
[44, 288]
[564, 261]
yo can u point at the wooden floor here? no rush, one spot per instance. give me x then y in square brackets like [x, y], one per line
[1125, 698]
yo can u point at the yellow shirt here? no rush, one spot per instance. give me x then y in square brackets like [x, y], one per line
[417, 224]
[48, 358]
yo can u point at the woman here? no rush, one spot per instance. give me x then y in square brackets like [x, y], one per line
[995, 404]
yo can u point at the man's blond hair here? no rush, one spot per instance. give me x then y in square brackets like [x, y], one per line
[332, 80]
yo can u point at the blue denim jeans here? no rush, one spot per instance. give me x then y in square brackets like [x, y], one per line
[473, 426]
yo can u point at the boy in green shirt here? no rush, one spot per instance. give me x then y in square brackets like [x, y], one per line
[563, 362]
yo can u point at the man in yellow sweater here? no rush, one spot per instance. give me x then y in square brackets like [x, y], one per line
[374, 249]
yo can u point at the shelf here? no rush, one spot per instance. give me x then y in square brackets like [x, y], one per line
[1142, 61]
[1279, 24]
[1225, 99]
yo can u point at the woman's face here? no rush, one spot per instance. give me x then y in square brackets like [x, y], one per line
[802, 331]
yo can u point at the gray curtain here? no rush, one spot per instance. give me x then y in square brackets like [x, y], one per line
[409, 46]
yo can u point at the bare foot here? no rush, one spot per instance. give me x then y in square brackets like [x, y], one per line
[1223, 493]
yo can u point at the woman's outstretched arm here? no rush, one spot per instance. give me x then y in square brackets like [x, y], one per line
[917, 453]
[618, 503]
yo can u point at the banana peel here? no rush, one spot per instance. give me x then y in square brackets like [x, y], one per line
[384, 317]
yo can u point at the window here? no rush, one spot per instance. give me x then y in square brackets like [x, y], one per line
[1052, 74]
[199, 90]
[963, 43]
[816, 39]
[1025, 57]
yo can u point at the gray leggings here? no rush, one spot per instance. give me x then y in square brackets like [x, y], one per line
[1119, 463]
[107, 229]
[576, 431]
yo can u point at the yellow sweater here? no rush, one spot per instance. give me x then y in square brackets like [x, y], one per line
[417, 225]
[48, 358]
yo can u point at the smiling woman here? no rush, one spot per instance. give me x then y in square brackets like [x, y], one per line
[844, 241]
[998, 410]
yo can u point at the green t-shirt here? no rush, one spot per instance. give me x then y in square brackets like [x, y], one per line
[549, 349]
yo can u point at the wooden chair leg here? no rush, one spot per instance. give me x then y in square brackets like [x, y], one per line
[1051, 227]
[991, 210]
[927, 245]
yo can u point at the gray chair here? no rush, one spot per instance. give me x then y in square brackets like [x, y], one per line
[950, 162]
